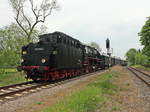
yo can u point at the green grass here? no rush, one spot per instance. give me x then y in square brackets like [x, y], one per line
[90, 98]
[7, 70]
[11, 78]
[39, 103]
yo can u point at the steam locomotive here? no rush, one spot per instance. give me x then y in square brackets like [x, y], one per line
[57, 56]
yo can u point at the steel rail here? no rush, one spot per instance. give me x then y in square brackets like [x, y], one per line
[21, 90]
[14, 85]
[146, 74]
[136, 74]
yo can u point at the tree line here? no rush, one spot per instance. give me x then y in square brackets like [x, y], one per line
[141, 57]
[136, 57]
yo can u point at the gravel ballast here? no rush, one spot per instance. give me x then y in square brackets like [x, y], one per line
[143, 92]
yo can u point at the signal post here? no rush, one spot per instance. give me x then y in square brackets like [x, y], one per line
[108, 50]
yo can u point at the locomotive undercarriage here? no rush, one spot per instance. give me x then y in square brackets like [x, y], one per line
[51, 75]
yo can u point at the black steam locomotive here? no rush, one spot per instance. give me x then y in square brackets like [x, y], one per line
[57, 56]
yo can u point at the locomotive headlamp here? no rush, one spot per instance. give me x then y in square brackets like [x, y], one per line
[22, 60]
[24, 52]
[43, 60]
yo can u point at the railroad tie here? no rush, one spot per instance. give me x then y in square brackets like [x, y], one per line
[8, 97]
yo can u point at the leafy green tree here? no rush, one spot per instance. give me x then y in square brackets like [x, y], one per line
[145, 37]
[131, 56]
[12, 38]
[141, 59]
[135, 57]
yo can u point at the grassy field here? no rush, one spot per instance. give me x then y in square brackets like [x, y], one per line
[8, 78]
[91, 97]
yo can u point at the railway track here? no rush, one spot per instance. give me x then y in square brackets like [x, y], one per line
[144, 77]
[18, 90]
[9, 92]
[14, 85]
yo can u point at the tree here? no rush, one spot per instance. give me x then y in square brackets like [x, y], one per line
[12, 38]
[95, 45]
[39, 13]
[135, 57]
[145, 37]
[131, 56]
[141, 59]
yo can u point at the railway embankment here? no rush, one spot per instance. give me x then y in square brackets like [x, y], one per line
[116, 90]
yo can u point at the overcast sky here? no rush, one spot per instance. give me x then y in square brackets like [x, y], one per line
[95, 20]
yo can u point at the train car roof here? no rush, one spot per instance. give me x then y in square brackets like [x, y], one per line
[62, 35]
